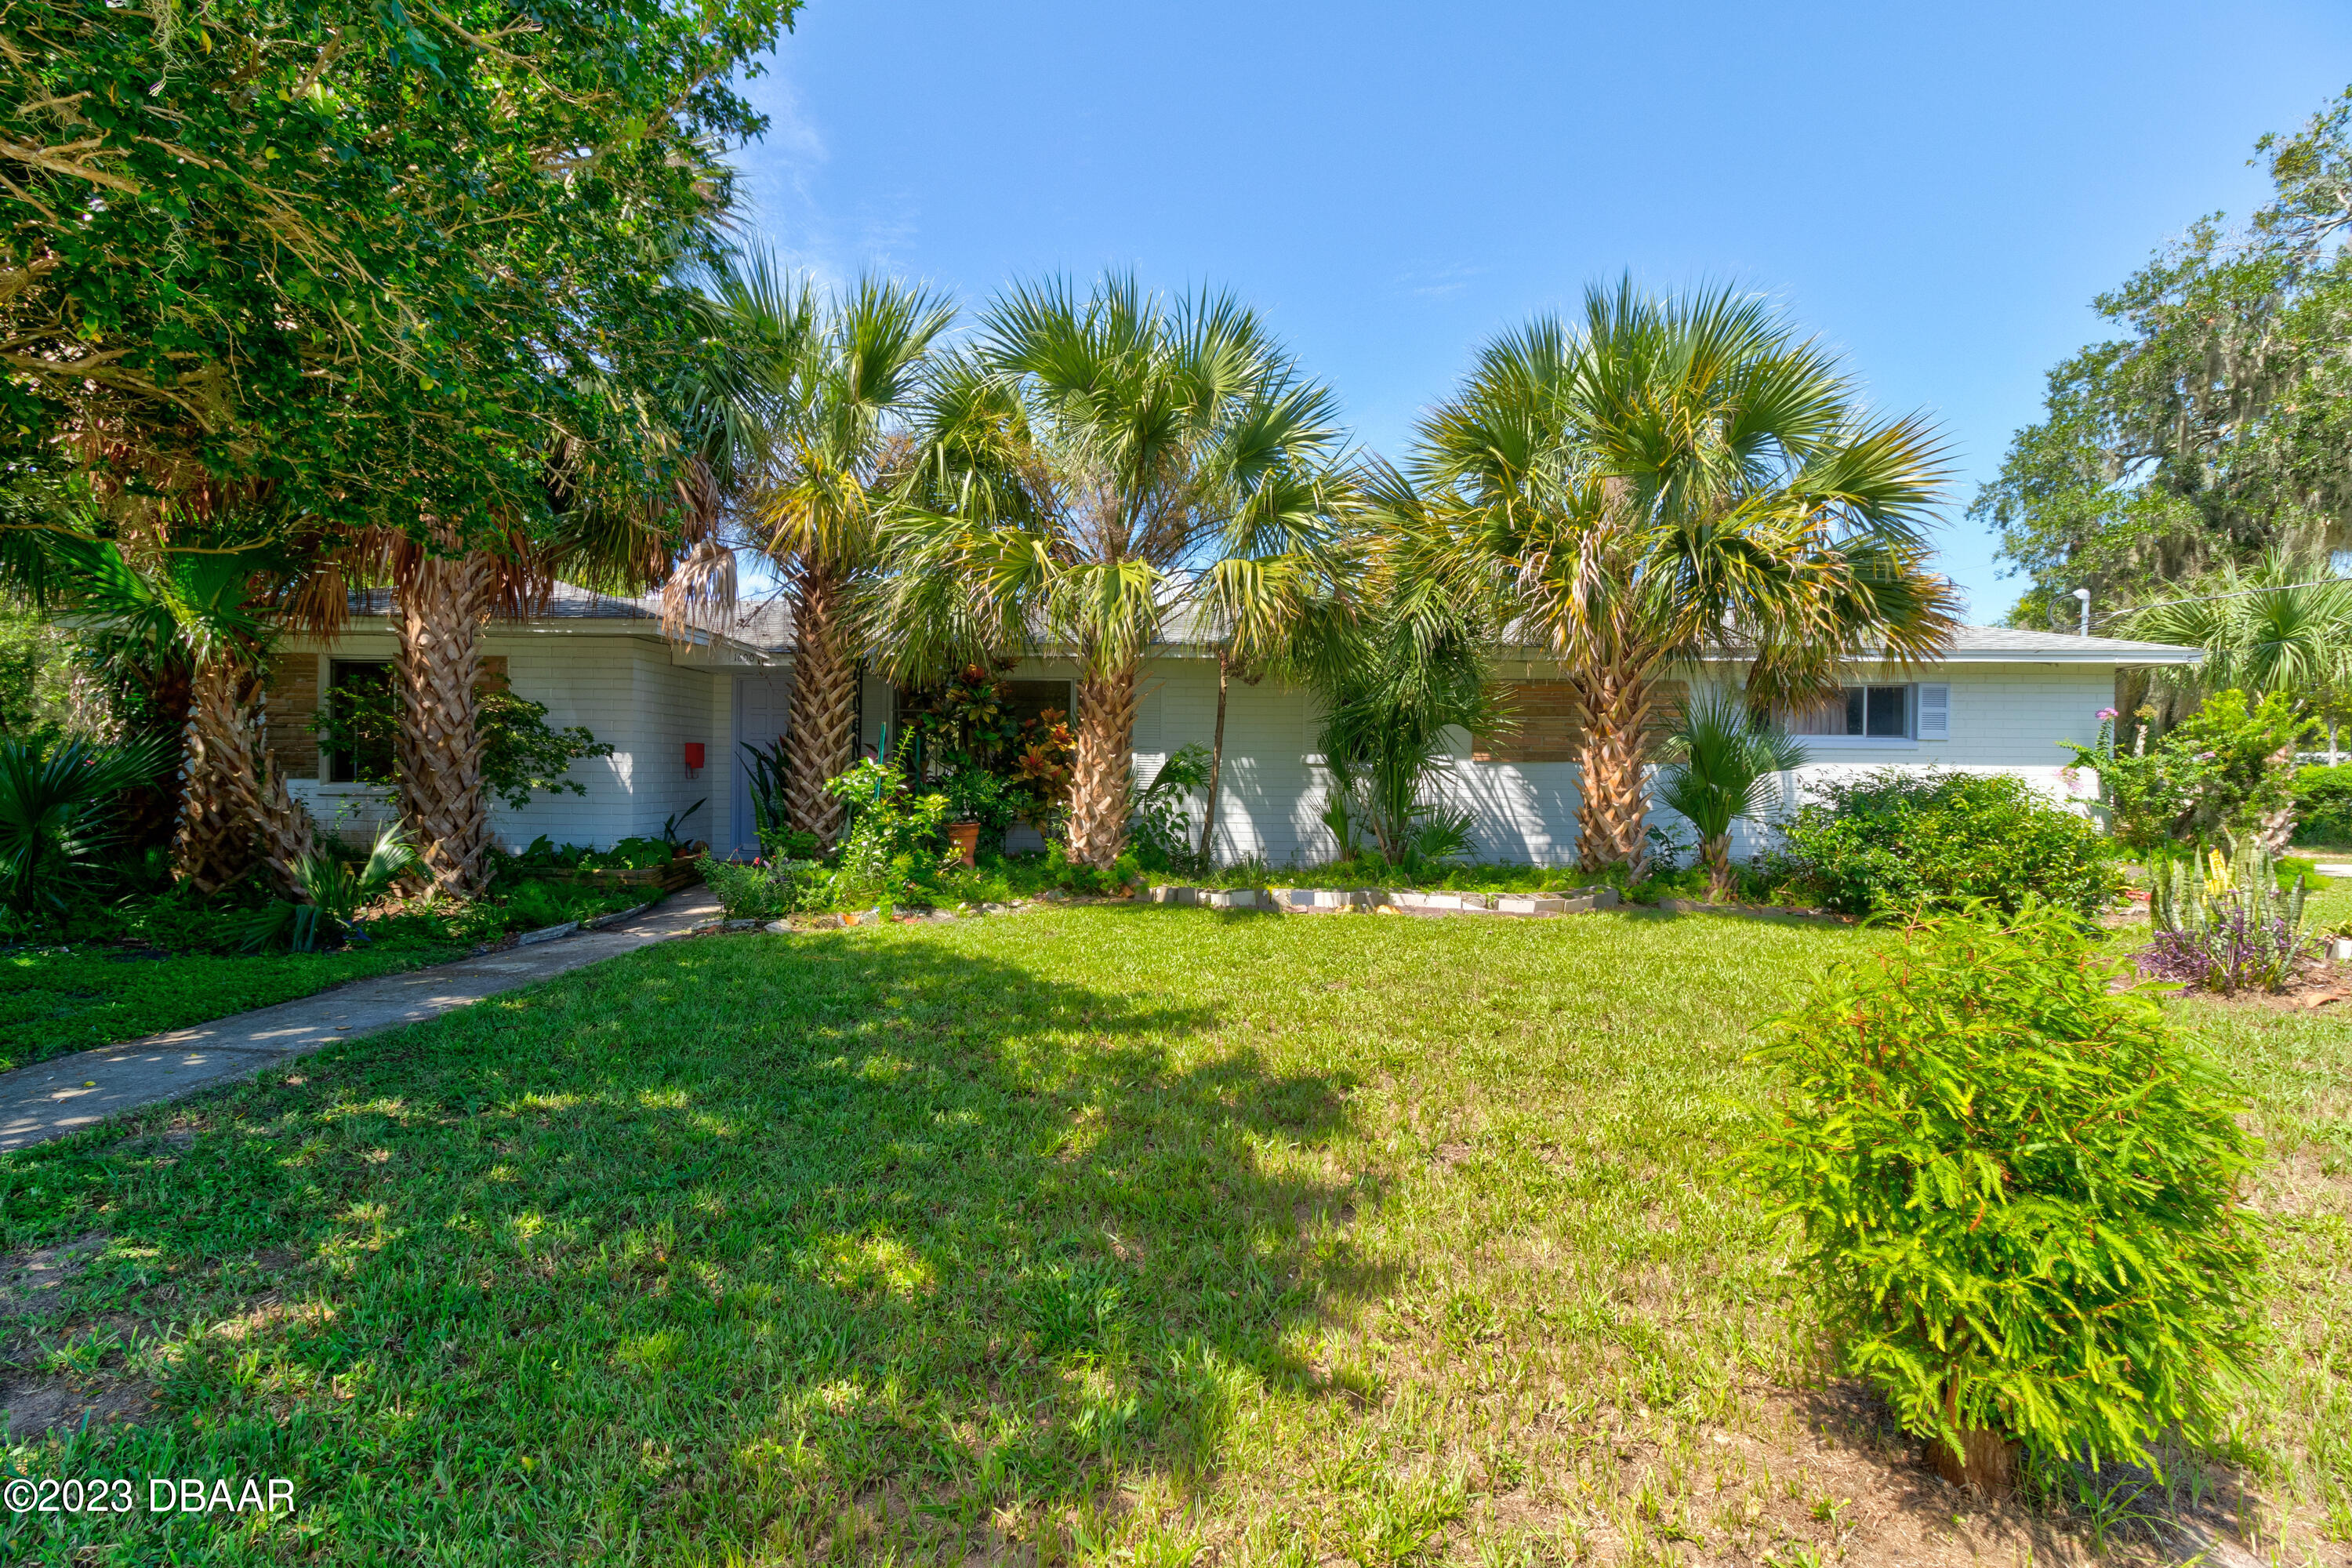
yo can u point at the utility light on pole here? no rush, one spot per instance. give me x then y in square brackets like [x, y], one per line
[2084, 595]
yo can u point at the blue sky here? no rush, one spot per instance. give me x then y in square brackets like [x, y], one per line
[1938, 191]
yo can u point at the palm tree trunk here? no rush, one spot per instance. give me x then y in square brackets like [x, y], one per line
[1102, 772]
[234, 793]
[211, 846]
[444, 601]
[1216, 767]
[1613, 804]
[821, 735]
[1716, 853]
[150, 812]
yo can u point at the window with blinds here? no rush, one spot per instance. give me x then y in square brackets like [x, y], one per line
[1917, 711]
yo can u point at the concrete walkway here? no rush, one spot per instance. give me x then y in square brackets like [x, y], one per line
[55, 1097]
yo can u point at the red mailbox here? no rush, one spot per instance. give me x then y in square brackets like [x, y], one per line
[694, 756]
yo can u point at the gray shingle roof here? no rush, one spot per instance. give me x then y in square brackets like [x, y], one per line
[2008, 643]
[765, 625]
[1193, 625]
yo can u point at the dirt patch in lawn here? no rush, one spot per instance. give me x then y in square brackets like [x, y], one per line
[36, 1403]
[64, 1367]
[30, 1281]
[1854, 1485]
[1825, 1475]
[38, 1407]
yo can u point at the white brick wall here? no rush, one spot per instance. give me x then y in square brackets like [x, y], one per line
[2006, 717]
[649, 700]
[636, 693]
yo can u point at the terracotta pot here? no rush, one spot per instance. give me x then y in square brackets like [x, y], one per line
[964, 837]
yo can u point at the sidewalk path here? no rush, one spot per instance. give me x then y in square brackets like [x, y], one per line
[55, 1097]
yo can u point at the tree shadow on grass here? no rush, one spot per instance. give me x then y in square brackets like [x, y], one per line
[753, 1243]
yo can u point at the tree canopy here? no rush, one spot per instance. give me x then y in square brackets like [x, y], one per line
[2216, 426]
[365, 262]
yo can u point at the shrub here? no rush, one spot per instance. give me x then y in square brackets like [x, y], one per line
[435, 922]
[2016, 1193]
[2323, 806]
[181, 920]
[630, 855]
[975, 794]
[2227, 769]
[762, 890]
[1160, 825]
[2235, 762]
[1898, 841]
[535, 905]
[887, 820]
[333, 893]
[57, 815]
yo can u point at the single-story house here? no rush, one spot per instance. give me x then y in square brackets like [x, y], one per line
[679, 711]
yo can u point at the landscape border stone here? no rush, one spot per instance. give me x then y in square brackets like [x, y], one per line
[1397, 900]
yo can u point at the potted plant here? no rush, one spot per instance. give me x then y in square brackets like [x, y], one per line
[976, 798]
[682, 849]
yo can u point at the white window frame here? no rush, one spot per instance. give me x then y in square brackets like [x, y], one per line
[1920, 710]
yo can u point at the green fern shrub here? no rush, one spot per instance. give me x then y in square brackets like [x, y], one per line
[2018, 1191]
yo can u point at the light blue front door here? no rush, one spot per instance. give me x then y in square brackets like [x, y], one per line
[762, 704]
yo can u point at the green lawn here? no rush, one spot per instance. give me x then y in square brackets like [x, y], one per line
[52, 1002]
[1113, 1232]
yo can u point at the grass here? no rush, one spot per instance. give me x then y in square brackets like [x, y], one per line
[1108, 1233]
[53, 1001]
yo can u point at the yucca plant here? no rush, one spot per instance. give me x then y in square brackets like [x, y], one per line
[334, 894]
[53, 811]
[1721, 763]
[770, 767]
[2222, 922]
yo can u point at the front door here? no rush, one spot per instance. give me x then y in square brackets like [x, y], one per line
[762, 704]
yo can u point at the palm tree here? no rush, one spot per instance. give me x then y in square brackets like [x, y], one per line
[1392, 688]
[1721, 760]
[614, 526]
[1091, 470]
[53, 802]
[443, 597]
[2285, 625]
[1674, 477]
[826, 398]
[204, 606]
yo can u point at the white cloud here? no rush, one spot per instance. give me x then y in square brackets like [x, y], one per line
[784, 189]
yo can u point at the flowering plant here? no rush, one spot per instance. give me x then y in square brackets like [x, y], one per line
[2222, 922]
[2228, 769]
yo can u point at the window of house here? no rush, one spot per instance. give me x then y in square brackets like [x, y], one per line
[1877, 712]
[364, 683]
[1026, 699]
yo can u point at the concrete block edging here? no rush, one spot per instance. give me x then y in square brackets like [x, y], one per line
[1403, 901]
